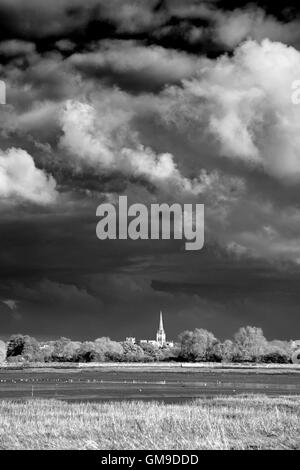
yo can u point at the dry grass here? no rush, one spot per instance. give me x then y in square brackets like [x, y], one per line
[242, 422]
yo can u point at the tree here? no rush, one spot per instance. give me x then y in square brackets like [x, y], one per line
[100, 350]
[216, 353]
[86, 352]
[277, 351]
[132, 352]
[226, 351]
[106, 349]
[65, 350]
[197, 345]
[2, 351]
[251, 343]
[151, 351]
[15, 345]
[170, 353]
[25, 346]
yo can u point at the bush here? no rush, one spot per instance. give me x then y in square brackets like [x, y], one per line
[16, 359]
[275, 357]
[2, 351]
[170, 354]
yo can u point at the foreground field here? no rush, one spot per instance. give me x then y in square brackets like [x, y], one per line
[241, 422]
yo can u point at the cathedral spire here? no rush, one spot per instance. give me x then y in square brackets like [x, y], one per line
[161, 335]
[161, 325]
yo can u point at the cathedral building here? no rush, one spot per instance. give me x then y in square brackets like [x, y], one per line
[161, 339]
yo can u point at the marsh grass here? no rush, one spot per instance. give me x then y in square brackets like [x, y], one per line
[241, 422]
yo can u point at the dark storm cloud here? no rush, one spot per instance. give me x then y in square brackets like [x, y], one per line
[267, 296]
[38, 19]
[191, 25]
[134, 66]
[240, 284]
[60, 275]
[16, 48]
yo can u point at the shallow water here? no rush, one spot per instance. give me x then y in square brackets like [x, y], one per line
[168, 385]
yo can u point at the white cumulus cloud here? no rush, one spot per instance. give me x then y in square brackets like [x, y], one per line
[21, 180]
[244, 103]
[103, 140]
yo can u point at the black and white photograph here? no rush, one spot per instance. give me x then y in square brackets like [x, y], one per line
[149, 227]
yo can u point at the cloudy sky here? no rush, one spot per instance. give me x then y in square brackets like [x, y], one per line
[162, 101]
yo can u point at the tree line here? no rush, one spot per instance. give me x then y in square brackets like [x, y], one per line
[248, 345]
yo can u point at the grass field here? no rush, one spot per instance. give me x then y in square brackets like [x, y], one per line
[241, 422]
